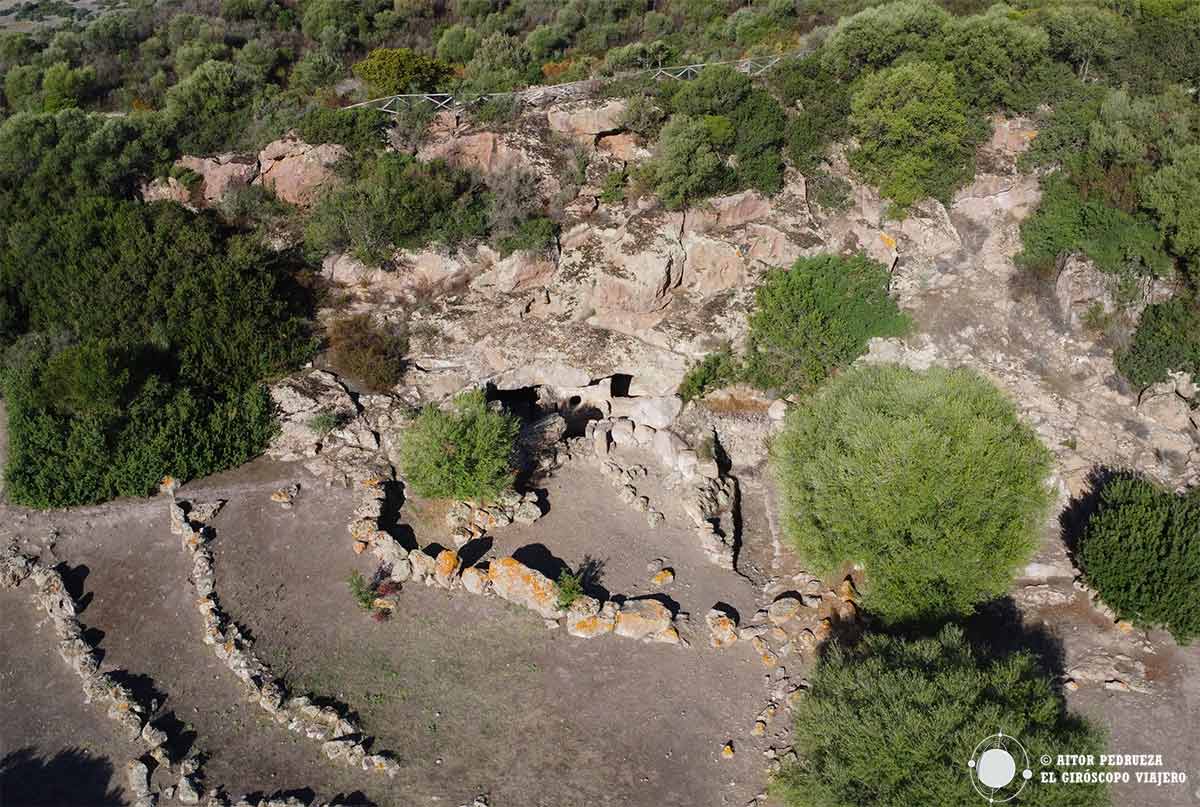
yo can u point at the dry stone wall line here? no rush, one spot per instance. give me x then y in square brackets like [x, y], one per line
[341, 738]
[708, 494]
[506, 578]
[51, 594]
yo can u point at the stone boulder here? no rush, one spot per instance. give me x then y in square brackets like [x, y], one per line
[729, 212]
[297, 172]
[167, 189]
[298, 399]
[220, 174]
[642, 619]
[587, 619]
[658, 412]
[520, 271]
[585, 121]
[722, 630]
[474, 579]
[446, 567]
[624, 146]
[492, 153]
[1082, 288]
[517, 583]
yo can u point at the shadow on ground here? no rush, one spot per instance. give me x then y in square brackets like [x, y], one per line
[70, 778]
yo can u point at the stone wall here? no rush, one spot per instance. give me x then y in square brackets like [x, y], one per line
[340, 736]
[506, 578]
[133, 717]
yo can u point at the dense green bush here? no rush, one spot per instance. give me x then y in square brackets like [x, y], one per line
[359, 130]
[397, 70]
[815, 318]
[893, 721]
[211, 107]
[824, 107]
[877, 37]
[1141, 551]
[916, 134]
[1172, 193]
[688, 166]
[928, 479]
[534, 234]
[1167, 340]
[1120, 243]
[996, 59]
[150, 330]
[718, 116]
[398, 202]
[715, 370]
[370, 352]
[464, 453]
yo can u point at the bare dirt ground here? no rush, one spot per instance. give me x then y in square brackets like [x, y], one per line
[474, 695]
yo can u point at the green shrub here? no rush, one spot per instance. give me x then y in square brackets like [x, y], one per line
[369, 352]
[715, 370]
[499, 63]
[461, 454]
[916, 134]
[211, 108]
[533, 234]
[457, 44]
[927, 479]
[815, 318]
[1141, 551]
[398, 202]
[642, 116]
[1119, 243]
[893, 721]
[359, 130]
[688, 166]
[361, 591]
[398, 70]
[323, 423]
[612, 189]
[570, 587]
[738, 120]
[824, 103]
[316, 69]
[996, 60]
[876, 37]
[121, 378]
[1167, 340]
[1171, 192]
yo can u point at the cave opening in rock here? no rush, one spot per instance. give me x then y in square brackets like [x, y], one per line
[520, 401]
[620, 384]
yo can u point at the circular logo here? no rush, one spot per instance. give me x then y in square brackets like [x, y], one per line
[999, 768]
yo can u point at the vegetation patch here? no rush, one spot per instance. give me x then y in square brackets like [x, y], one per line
[714, 371]
[815, 318]
[570, 587]
[927, 479]
[368, 351]
[916, 133]
[464, 453]
[893, 720]
[1167, 340]
[1141, 551]
[142, 334]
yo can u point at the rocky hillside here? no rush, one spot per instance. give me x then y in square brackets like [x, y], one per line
[637, 292]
